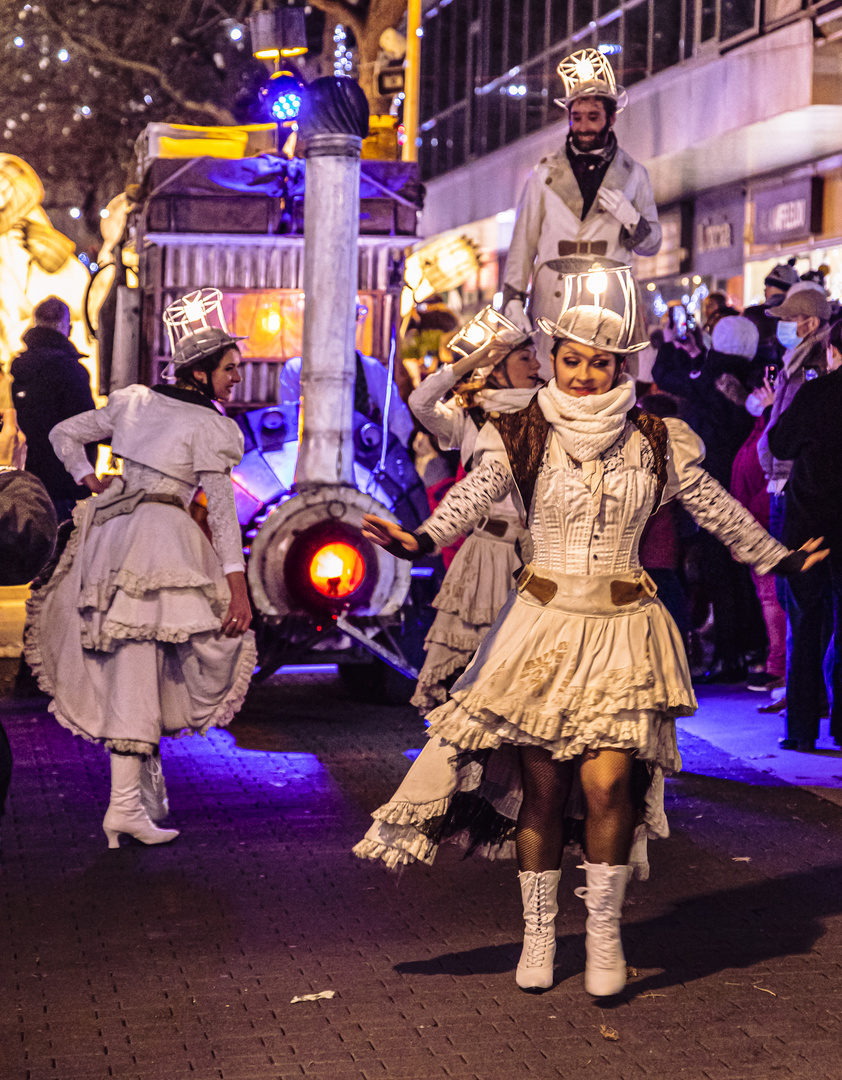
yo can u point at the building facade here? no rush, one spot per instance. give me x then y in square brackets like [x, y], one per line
[735, 108]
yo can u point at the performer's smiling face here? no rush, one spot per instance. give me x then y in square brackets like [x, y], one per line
[226, 375]
[589, 124]
[581, 370]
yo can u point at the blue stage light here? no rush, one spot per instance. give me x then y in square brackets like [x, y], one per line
[283, 96]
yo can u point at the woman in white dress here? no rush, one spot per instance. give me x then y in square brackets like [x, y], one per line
[478, 580]
[143, 628]
[582, 675]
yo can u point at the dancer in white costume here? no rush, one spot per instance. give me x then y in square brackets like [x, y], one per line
[477, 582]
[583, 673]
[142, 630]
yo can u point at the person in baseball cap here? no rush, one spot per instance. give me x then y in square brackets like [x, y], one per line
[805, 300]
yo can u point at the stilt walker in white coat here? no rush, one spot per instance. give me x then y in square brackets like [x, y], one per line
[589, 198]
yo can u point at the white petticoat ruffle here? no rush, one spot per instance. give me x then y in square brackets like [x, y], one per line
[546, 677]
[125, 636]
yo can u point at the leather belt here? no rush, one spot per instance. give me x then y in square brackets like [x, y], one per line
[582, 247]
[128, 503]
[621, 592]
[494, 526]
[543, 589]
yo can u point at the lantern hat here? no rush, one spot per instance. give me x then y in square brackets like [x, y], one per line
[485, 329]
[598, 306]
[196, 327]
[588, 73]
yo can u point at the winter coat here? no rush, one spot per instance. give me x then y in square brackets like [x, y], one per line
[50, 385]
[808, 355]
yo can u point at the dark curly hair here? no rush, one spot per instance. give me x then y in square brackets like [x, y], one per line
[187, 375]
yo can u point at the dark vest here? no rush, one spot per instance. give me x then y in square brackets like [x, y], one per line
[524, 435]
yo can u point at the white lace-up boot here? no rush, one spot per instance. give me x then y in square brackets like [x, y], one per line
[540, 907]
[153, 789]
[605, 966]
[125, 812]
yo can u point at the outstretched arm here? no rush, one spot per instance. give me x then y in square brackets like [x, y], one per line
[460, 509]
[715, 510]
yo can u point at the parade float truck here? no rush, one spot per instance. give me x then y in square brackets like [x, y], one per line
[293, 245]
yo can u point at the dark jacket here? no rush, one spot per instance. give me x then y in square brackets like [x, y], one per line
[712, 389]
[50, 385]
[809, 434]
[27, 527]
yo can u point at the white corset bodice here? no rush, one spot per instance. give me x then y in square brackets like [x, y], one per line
[589, 519]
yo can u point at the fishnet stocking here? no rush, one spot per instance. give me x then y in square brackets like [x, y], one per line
[609, 826]
[546, 787]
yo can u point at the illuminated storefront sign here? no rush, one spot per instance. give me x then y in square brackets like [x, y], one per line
[788, 212]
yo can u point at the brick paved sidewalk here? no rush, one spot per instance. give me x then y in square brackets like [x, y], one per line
[179, 962]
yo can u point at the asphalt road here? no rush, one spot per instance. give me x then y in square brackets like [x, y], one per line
[181, 962]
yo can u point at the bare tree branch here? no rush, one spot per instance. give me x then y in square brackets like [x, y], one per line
[99, 51]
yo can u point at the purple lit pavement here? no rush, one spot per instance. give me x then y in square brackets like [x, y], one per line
[180, 962]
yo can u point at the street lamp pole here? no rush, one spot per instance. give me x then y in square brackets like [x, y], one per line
[413, 80]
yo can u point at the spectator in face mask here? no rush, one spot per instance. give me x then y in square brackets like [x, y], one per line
[809, 437]
[804, 313]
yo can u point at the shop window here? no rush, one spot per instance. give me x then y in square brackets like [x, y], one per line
[431, 44]
[537, 96]
[494, 105]
[458, 124]
[780, 9]
[558, 20]
[515, 108]
[737, 17]
[462, 50]
[666, 34]
[539, 24]
[609, 41]
[636, 43]
[689, 27]
[707, 21]
[495, 28]
[444, 66]
[583, 14]
[517, 21]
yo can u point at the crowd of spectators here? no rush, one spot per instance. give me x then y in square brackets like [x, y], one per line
[763, 389]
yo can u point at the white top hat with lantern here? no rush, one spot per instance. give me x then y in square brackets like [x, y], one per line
[485, 328]
[598, 305]
[588, 73]
[196, 327]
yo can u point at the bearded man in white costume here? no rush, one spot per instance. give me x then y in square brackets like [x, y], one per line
[590, 198]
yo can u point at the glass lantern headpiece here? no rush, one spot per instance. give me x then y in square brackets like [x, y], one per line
[196, 327]
[598, 305]
[588, 73]
[486, 327]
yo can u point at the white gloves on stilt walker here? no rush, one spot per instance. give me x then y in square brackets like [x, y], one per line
[619, 207]
[515, 313]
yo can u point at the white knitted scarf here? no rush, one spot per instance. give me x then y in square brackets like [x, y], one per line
[587, 426]
[505, 400]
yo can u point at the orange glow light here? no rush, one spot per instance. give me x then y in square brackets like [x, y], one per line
[337, 570]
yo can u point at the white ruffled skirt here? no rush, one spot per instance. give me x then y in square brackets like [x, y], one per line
[125, 636]
[475, 588]
[579, 673]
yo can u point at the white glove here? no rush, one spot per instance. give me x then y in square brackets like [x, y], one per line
[514, 313]
[619, 207]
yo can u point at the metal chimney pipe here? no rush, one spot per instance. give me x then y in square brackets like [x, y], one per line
[328, 366]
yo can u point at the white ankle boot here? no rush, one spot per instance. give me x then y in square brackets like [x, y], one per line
[540, 907]
[125, 812]
[153, 789]
[605, 966]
